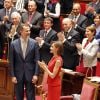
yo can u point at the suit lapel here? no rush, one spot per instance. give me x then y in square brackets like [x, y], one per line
[19, 48]
[33, 18]
[69, 34]
[79, 20]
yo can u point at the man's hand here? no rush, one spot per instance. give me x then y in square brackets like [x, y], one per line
[5, 18]
[14, 80]
[61, 37]
[34, 79]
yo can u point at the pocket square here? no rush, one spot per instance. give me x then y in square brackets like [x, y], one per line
[69, 37]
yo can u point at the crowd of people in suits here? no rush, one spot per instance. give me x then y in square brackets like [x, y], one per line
[38, 23]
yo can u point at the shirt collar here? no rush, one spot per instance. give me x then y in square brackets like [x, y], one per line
[22, 40]
[78, 16]
[48, 30]
[8, 10]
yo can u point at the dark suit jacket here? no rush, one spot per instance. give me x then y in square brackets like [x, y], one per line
[3, 13]
[70, 55]
[27, 65]
[45, 49]
[40, 5]
[2, 28]
[66, 6]
[36, 22]
[82, 23]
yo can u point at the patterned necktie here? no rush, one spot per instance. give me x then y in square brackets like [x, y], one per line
[7, 13]
[30, 17]
[75, 18]
[45, 34]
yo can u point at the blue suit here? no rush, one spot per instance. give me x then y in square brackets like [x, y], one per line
[24, 68]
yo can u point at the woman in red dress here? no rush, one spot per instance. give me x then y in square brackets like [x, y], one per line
[53, 70]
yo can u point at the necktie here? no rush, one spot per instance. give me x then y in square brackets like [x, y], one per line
[45, 34]
[7, 12]
[75, 18]
[66, 34]
[30, 17]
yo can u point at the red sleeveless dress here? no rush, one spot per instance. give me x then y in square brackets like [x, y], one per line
[54, 85]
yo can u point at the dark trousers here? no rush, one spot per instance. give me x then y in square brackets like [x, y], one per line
[29, 87]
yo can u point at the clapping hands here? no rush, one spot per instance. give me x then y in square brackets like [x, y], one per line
[42, 64]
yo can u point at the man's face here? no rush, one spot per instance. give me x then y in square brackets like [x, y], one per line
[76, 9]
[31, 7]
[47, 24]
[25, 31]
[15, 20]
[8, 4]
[66, 25]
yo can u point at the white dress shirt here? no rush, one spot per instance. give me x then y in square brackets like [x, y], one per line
[24, 45]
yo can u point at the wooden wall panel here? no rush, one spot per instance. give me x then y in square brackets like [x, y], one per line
[6, 86]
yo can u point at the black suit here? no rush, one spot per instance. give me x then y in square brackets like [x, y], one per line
[66, 6]
[24, 68]
[40, 5]
[45, 49]
[36, 22]
[70, 55]
[82, 23]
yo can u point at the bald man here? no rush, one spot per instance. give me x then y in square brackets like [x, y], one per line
[81, 21]
[69, 37]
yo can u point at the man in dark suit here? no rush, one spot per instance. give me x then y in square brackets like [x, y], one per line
[40, 5]
[24, 55]
[46, 37]
[81, 21]
[66, 6]
[69, 37]
[5, 18]
[13, 28]
[33, 18]
[92, 8]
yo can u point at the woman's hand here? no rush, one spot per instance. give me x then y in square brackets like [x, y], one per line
[79, 46]
[42, 64]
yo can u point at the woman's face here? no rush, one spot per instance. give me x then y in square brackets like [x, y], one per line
[97, 20]
[89, 33]
[53, 49]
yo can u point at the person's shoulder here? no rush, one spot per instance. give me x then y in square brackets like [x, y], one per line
[2, 10]
[74, 32]
[83, 16]
[15, 41]
[53, 31]
[38, 13]
[32, 40]
[24, 13]
[95, 41]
